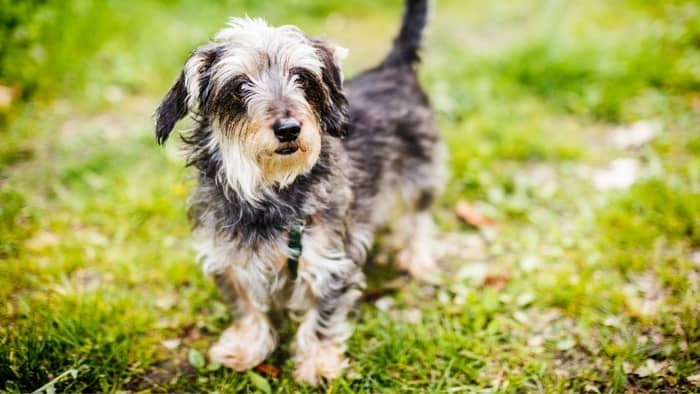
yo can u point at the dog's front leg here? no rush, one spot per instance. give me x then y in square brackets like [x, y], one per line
[251, 338]
[325, 293]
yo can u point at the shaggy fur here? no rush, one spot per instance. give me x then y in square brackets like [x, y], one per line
[278, 142]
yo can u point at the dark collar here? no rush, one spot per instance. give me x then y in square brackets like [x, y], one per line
[295, 232]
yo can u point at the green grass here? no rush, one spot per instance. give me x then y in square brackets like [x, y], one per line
[575, 289]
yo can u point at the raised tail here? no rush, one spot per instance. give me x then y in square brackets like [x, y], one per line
[407, 43]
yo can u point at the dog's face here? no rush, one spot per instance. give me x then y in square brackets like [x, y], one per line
[269, 94]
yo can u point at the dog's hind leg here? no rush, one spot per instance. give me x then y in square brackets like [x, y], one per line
[415, 230]
[417, 254]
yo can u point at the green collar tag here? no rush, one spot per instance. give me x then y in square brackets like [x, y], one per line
[294, 247]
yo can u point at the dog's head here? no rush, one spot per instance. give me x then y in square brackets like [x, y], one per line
[270, 94]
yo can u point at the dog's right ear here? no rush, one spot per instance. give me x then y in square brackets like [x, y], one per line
[173, 108]
[186, 92]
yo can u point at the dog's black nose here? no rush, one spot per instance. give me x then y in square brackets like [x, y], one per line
[286, 130]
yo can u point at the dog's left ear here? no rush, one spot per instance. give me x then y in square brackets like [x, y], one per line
[334, 116]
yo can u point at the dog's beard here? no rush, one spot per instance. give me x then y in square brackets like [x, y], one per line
[255, 77]
[253, 161]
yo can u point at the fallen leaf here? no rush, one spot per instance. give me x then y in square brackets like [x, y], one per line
[530, 263]
[694, 379]
[525, 299]
[412, 316]
[497, 282]
[650, 367]
[259, 382]
[191, 332]
[115, 94]
[497, 380]
[388, 288]
[7, 95]
[459, 245]
[535, 341]
[268, 369]
[384, 303]
[166, 302]
[695, 103]
[470, 215]
[695, 258]
[353, 375]
[521, 317]
[612, 321]
[171, 343]
[620, 174]
[644, 295]
[474, 272]
[566, 344]
[196, 359]
[634, 135]
[42, 240]
[444, 297]
[87, 279]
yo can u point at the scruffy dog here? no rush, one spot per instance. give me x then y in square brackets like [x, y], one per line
[295, 168]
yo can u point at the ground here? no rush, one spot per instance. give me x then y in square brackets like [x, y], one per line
[575, 156]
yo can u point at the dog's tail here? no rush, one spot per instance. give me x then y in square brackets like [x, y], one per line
[407, 43]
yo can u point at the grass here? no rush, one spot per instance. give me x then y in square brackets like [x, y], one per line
[576, 289]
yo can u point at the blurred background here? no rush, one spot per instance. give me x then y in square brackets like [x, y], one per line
[570, 227]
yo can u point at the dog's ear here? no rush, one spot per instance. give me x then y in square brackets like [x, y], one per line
[173, 108]
[187, 92]
[334, 114]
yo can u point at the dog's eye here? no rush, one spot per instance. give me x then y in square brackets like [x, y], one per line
[301, 79]
[242, 88]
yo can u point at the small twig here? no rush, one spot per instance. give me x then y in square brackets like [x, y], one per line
[389, 288]
[73, 372]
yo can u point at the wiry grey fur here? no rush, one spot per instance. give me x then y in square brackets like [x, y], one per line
[360, 146]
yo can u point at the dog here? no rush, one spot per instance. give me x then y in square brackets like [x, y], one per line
[296, 171]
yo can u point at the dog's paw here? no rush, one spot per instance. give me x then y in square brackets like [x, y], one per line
[243, 346]
[325, 361]
[418, 262]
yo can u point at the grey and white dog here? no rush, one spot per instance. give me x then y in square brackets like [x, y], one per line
[295, 168]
